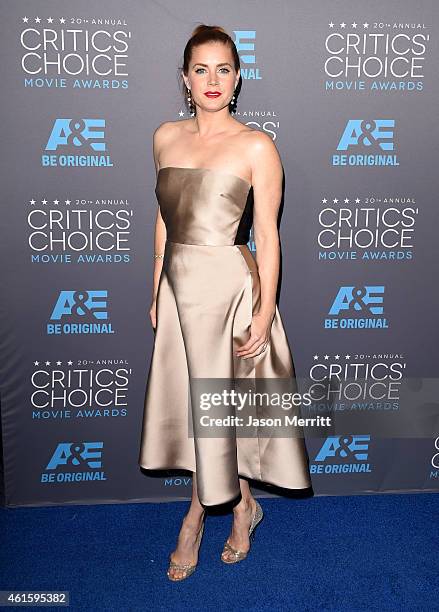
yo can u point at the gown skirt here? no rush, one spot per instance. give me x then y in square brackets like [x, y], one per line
[209, 288]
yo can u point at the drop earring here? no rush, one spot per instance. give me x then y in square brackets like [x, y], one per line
[233, 103]
[190, 102]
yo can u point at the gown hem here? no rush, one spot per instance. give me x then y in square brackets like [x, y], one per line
[240, 474]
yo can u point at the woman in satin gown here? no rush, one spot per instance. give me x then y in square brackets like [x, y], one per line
[213, 310]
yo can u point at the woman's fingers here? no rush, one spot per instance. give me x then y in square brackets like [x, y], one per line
[250, 345]
[255, 348]
[257, 352]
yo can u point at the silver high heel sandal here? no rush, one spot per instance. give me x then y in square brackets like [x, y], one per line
[187, 568]
[239, 555]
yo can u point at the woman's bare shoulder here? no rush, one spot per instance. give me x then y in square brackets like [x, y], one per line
[167, 129]
[172, 127]
[166, 134]
[256, 144]
[253, 136]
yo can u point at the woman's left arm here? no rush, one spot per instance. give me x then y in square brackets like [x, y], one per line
[267, 177]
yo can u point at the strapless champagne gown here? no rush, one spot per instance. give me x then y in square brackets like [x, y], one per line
[208, 289]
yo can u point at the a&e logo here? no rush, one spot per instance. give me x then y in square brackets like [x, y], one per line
[77, 142]
[342, 455]
[75, 306]
[244, 42]
[74, 462]
[375, 135]
[357, 308]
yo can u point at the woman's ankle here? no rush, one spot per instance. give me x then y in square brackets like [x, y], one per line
[244, 505]
[194, 517]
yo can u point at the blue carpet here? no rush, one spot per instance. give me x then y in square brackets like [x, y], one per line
[366, 552]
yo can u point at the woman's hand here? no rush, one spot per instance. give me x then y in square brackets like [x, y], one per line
[260, 331]
[153, 313]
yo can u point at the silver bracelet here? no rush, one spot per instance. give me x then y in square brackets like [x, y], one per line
[158, 255]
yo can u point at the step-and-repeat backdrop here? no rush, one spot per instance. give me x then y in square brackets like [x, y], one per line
[348, 91]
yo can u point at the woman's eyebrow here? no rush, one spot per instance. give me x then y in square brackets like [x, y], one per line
[222, 64]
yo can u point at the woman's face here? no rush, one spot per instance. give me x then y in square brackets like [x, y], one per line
[211, 70]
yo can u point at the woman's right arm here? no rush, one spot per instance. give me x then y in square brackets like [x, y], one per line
[160, 229]
[159, 249]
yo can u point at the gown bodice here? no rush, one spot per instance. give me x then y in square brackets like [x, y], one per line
[204, 206]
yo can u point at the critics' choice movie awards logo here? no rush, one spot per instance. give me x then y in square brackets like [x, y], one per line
[75, 462]
[80, 312]
[343, 455]
[375, 228]
[88, 389]
[77, 142]
[79, 231]
[378, 57]
[357, 307]
[356, 383]
[366, 142]
[73, 52]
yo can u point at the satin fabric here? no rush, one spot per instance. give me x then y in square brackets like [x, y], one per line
[208, 290]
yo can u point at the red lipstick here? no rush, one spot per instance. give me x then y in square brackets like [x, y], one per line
[212, 94]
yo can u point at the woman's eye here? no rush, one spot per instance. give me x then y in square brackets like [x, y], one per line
[197, 70]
